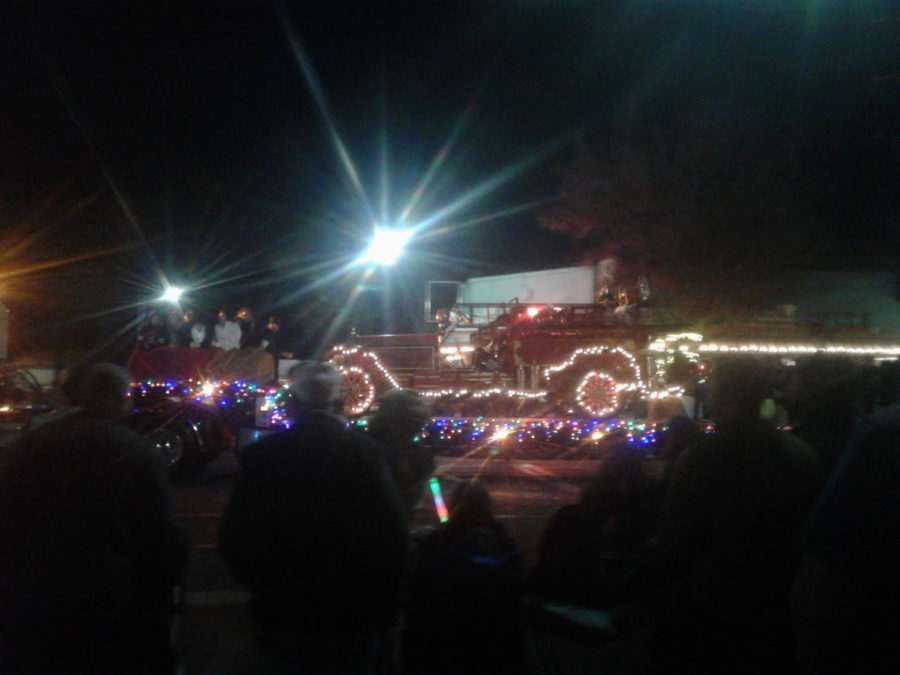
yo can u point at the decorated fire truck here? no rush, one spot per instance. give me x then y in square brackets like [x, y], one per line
[563, 344]
[572, 342]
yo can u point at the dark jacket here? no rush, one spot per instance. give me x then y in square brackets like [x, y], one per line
[315, 529]
[729, 543]
[464, 605]
[89, 553]
[847, 594]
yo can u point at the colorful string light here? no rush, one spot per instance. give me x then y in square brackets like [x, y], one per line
[564, 435]
[242, 397]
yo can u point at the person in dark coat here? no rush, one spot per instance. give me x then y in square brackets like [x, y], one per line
[846, 595]
[153, 333]
[402, 413]
[826, 405]
[246, 322]
[729, 535]
[270, 340]
[589, 549]
[465, 591]
[89, 553]
[315, 530]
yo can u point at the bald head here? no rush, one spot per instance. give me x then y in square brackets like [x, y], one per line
[103, 390]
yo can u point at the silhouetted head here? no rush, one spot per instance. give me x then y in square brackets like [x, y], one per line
[681, 434]
[622, 498]
[470, 505]
[825, 387]
[103, 389]
[316, 386]
[401, 415]
[222, 317]
[738, 387]
[621, 480]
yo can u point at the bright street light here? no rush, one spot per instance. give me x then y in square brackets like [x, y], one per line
[386, 246]
[171, 294]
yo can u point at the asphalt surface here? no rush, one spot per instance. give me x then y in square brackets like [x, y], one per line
[214, 630]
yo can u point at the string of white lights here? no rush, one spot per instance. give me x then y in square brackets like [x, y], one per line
[483, 393]
[597, 350]
[866, 350]
[347, 351]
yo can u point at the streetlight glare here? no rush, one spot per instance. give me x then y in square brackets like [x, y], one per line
[386, 246]
[171, 294]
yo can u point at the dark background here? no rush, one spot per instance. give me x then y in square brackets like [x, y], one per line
[145, 143]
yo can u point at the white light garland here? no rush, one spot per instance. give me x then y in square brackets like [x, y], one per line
[483, 393]
[348, 351]
[598, 350]
[863, 350]
[630, 386]
[666, 393]
[668, 346]
[663, 344]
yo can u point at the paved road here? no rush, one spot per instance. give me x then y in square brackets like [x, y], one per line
[214, 630]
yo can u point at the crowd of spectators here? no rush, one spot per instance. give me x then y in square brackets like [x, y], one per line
[227, 332]
[754, 549]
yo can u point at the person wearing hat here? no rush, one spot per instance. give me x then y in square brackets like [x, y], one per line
[315, 530]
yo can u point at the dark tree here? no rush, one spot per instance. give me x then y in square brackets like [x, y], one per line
[717, 226]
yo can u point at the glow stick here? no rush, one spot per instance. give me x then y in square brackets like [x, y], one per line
[438, 500]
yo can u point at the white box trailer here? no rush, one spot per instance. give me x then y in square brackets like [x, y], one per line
[578, 285]
[562, 285]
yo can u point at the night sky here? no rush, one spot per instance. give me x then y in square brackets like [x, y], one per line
[208, 144]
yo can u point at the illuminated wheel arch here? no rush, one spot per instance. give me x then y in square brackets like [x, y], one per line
[364, 377]
[598, 381]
